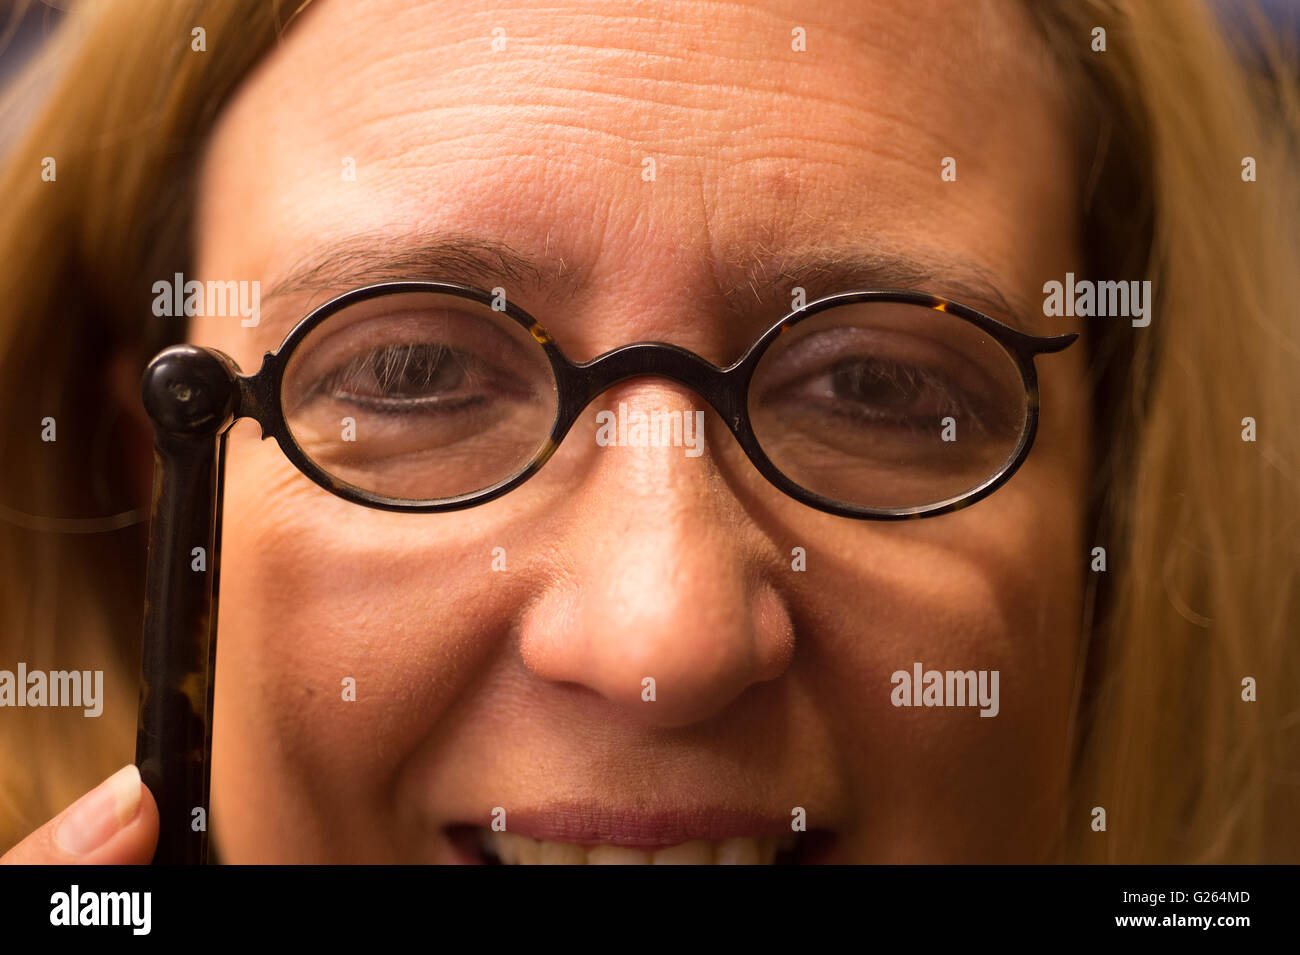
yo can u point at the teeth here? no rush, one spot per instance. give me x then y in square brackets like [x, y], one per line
[559, 853]
[698, 852]
[513, 849]
[617, 855]
[738, 852]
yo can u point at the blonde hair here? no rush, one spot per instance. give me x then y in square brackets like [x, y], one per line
[124, 118]
[1200, 527]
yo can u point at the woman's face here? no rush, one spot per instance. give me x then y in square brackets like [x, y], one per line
[521, 689]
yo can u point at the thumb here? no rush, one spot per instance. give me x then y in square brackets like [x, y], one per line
[116, 823]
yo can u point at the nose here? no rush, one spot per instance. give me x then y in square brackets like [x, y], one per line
[662, 610]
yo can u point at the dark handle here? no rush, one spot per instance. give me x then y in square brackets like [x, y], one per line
[190, 394]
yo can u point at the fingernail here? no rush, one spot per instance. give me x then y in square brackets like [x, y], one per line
[97, 816]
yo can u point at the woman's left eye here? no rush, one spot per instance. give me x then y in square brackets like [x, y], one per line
[881, 389]
[882, 386]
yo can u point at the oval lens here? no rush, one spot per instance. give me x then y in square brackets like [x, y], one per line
[888, 405]
[420, 396]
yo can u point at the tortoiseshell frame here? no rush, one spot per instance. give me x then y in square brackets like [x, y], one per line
[193, 395]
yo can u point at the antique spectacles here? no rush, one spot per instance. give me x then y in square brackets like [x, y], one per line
[433, 396]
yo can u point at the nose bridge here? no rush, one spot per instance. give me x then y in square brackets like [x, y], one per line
[655, 359]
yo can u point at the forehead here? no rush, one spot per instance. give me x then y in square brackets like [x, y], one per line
[644, 147]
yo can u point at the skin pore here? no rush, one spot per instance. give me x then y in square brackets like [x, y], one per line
[522, 689]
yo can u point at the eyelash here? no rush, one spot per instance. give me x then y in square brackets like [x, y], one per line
[385, 365]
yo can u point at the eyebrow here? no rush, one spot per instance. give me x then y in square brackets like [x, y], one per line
[759, 277]
[467, 259]
[764, 275]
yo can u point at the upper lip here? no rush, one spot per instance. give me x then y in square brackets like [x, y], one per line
[586, 825]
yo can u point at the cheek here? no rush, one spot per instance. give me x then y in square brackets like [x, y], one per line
[997, 586]
[344, 633]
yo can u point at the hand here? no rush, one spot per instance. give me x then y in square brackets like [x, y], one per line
[116, 823]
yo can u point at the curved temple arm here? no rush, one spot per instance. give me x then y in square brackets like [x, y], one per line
[191, 396]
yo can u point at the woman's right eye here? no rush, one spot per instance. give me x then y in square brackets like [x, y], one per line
[409, 377]
[409, 370]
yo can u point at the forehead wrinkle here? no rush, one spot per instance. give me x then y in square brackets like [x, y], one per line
[472, 79]
[405, 132]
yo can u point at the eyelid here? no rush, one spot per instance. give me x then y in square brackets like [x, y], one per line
[339, 333]
[804, 363]
[363, 361]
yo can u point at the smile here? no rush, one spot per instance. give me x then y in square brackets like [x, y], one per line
[509, 848]
[546, 840]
